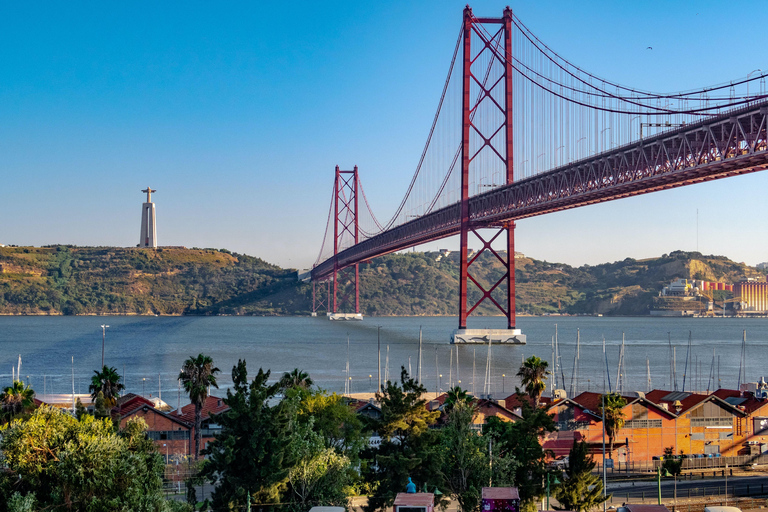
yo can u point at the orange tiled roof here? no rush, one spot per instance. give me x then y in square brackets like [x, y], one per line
[514, 401]
[129, 402]
[212, 405]
[748, 401]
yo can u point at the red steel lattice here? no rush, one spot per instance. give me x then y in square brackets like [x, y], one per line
[726, 145]
[345, 225]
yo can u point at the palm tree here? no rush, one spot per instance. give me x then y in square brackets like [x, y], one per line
[197, 375]
[296, 379]
[455, 396]
[533, 372]
[613, 405]
[16, 399]
[108, 382]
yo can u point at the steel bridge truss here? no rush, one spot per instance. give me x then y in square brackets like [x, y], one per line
[321, 300]
[726, 145]
[484, 91]
[345, 225]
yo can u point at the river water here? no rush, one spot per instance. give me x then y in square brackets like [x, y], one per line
[148, 349]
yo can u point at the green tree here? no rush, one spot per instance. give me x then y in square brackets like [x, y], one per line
[197, 375]
[408, 446]
[100, 408]
[56, 462]
[80, 409]
[321, 475]
[16, 399]
[673, 463]
[330, 417]
[533, 372]
[581, 490]
[253, 453]
[295, 379]
[612, 405]
[107, 381]
[519, 442]
[465, 469]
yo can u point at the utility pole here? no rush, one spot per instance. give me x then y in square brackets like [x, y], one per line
[419, 361]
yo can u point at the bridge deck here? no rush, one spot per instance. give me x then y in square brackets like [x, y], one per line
[726, 145]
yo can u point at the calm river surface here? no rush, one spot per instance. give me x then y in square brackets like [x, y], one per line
[143, 348]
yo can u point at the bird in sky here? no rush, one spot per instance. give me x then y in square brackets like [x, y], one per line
[649, 48]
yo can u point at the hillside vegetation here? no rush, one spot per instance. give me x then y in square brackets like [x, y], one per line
[173, 281]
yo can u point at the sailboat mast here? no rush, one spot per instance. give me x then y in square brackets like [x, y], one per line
[711, 379]
[437, 376]
[418, 363]
[458, 378]
[674, 365]
[620, 369]
[386, 367]
[346, 383]
[687, 356]
[743, 362]
[671, 359]
[578, 356]
[553, 382]
[648, 372]
[487, 384]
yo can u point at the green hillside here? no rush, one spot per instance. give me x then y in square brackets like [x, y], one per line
[172, 281]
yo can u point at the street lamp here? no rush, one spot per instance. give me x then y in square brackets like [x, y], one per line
[370, 381]
[143, 381]
[103, 338]
[502, 383]
[441, 382]
[555, 482]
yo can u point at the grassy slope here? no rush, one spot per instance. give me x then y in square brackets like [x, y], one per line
[106, 280]
[83, 280]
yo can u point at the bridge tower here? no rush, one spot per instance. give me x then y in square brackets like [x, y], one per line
[345, 293]
[476, 91]
[321, 294]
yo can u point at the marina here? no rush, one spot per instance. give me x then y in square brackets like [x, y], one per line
[148, 350]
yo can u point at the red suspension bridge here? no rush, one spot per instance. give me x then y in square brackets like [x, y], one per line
[520, 131]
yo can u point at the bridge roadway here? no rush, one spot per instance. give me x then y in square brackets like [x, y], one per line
[726, 145]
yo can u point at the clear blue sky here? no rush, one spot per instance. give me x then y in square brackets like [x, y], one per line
[237, 114]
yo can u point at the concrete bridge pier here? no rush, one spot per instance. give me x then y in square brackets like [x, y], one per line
[483, 336]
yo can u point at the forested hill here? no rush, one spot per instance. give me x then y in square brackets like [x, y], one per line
[172, 281]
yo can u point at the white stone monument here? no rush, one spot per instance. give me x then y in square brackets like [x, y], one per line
[148, 228]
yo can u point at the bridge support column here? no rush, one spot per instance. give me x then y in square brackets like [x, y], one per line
[506, 304]
[321, 295]
[345, 229]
